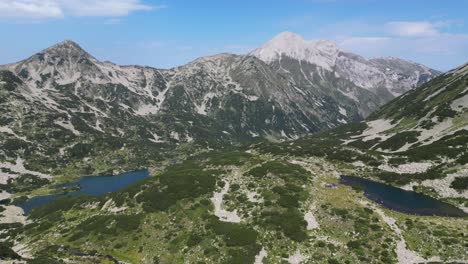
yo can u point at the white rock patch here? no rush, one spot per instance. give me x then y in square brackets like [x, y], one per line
[201, 109]
[375, 129]
[442, 186]
[254, 197]
[156, 138]
[18, 168]
[109, 206]
[435, 132]
[7, 130]
[175, 135]
[460, 104]
[343, 111]
[414, 167]
[435, 94]
[261, 255]
[297, 258]
[91, 205]
[358, 164]
[222, 214]
[4, 195]
[22, 250]
[12, 214]
[68, 126]
[252, 98]
[147, 109]
[311, 221]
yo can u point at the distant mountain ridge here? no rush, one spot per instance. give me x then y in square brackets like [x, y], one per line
[85, 107]
[320, 66]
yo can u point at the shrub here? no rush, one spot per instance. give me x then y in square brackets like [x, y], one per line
[234, 234]
[184, 181]
[194, 239]
[243, 255]
[111, 225]
[229, 158]
[460, 183]
[283, 170]
[6, 252]
[290, 222]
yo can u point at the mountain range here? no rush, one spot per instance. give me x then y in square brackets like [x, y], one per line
[287, 88]
[246, 156]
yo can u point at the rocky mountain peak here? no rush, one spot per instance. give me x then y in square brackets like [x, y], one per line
[287, 37]
[67, 50]
[322, 52]
[62, 63]
[65, 54]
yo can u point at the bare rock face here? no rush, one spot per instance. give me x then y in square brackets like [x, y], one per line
[321, 68]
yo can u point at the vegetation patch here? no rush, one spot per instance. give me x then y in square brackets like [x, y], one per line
[181, 181]
[239, 238]
[283, 170]
[460, 183]
[7, 253]
[291, 222]
[229, 158]
[405, 178]
[399, 140]
[109, 225]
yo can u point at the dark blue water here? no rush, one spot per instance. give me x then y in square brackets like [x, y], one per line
[89, 185]
[401, 200]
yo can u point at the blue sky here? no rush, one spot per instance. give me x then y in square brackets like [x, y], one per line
[167, 33]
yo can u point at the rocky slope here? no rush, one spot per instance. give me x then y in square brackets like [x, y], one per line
[417, 141]
[321, 69]
[435, 113]
[63, 108]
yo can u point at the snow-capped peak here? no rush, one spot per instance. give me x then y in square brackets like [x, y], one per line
[322, 52]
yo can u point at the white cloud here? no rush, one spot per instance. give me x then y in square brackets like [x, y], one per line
[46, 9]
[412, 29]
[109, 8]
[433, 43]
[32, 9]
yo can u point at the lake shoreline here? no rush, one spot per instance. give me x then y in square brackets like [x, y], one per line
[400, 200]
[88, 185]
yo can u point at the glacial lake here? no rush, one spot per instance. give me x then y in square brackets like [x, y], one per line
[401, 200]
[89, 185]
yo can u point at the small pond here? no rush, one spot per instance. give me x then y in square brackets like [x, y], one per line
[401, 200]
